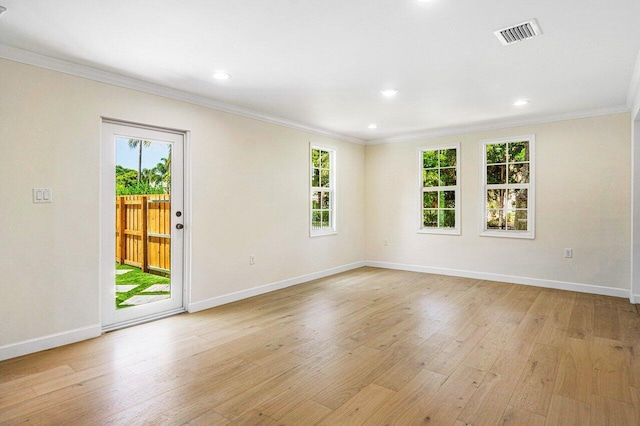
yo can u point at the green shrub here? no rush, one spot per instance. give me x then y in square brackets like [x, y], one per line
[140, 189]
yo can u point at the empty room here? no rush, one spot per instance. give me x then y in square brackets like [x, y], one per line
[363, 212]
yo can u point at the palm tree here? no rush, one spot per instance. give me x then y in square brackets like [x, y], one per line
[147, 176]
[137, 143]
[162, 173]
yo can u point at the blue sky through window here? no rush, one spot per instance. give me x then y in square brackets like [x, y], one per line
[151, 155]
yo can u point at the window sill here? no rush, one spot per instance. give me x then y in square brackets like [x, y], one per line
[439, 231]
[508, 234]
[322, 234]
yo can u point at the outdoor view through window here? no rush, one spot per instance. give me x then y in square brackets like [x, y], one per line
[508, 185]
[143, 222]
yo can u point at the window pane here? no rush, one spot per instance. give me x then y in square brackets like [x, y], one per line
[497, 153]
[495, 219]
[325, 219]
[325, 160]
[521, 220]
[316, 217]
[430, 178]
[315, 200]
[448, 158]
[447, 218]
[511, 216]
[518, 198]
[326, 196]
[517, 220]
[519, 173]
[447, 177]
[447, 199]
[430, 199]
[430, 218]
[315, 157]
[315, 178]
[518, 151]
[495, 198]
[496, 175]
[324, 178]
[429, 159]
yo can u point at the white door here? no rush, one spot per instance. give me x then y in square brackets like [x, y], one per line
[142, 221]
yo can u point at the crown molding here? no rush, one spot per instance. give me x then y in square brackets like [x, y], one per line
[633, 97]
[42, 61]
[500, 124]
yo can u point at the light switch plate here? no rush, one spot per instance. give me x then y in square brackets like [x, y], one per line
[42, 195]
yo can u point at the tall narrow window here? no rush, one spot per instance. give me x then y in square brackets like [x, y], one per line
[323, 191]
[439, 190]
[508, 187]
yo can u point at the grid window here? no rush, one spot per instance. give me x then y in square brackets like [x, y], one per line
[508, 187]
[439, 190]
[322, 191]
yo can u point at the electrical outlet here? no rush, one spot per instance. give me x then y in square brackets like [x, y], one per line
[568, 253]
[252, 259]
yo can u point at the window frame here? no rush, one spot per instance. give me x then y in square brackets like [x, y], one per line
[421, 190]
[531, 192]
[333, 229]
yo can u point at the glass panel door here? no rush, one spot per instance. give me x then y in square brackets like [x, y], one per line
[144, 278]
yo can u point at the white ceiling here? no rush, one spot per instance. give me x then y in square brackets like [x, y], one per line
[322, 63]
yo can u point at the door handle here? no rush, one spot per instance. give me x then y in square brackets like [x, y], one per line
[179, 226]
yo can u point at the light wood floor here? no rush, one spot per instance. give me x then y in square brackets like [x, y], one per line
[369, 346]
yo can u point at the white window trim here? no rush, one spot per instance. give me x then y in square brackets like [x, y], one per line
[531, 193]
[443, 231]
[332, 187]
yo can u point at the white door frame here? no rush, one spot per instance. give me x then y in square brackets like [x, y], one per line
[107, 220]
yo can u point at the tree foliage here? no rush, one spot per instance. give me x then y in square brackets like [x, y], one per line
[156, 180]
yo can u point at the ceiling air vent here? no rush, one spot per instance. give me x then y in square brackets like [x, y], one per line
[519, 32]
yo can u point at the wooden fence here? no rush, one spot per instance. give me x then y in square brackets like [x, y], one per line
[143, 232]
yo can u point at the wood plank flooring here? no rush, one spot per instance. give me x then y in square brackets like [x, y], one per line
[366, 347]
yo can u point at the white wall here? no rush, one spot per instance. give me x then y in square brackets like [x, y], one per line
[249, 196]
[582, 195]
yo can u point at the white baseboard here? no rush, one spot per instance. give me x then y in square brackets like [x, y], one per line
[255, 291]
[537, 282]
[47, 342]
[634, 298]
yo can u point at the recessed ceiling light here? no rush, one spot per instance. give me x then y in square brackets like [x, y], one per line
[521, 102]
[372, 126]
[221, 75]
[389, 92]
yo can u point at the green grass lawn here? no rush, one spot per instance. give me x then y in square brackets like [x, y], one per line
[136, 277]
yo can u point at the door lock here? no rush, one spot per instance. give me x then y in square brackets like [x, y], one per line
[179, 226]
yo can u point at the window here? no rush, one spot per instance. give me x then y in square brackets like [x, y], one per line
[323, 191]
[508, 187]
[439, 190]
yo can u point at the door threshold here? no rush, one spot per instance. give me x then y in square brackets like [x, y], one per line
[142, 320]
